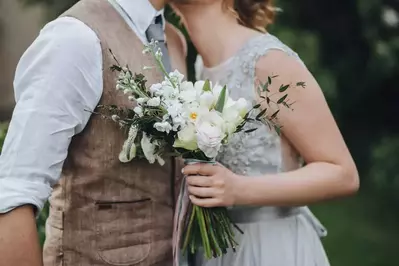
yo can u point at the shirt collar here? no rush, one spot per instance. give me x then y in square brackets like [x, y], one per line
[142, 12]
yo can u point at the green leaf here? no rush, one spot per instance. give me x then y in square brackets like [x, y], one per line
[282, 99]
[256, 106]
[269, 80]
[221, 101]
[250, 130]
[207, 86]
[277, 129]
[283, 88]
[275, 114]
[301, 84]
[259, 116]
[265, 87]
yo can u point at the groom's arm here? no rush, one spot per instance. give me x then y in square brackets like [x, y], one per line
[57, 79]
[18, 238]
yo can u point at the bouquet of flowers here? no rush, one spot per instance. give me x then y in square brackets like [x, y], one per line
[189, 120]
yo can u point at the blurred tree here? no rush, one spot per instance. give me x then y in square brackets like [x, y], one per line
[352, 48]
[3, 131]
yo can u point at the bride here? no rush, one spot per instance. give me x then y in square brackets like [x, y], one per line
[262, 175]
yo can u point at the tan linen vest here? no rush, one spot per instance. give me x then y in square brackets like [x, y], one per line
[104, 212]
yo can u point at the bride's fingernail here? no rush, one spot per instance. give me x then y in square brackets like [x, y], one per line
[182, 170]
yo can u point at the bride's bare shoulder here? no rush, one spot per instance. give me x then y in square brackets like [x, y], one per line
[177, 47]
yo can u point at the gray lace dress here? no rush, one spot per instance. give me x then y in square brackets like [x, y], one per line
[272, 236]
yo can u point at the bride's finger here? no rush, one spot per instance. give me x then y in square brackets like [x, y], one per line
[207, 203]
[202, 192]
[199, 181]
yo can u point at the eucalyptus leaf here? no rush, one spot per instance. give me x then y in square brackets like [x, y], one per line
[282, 99]
[250, 130]
[277, 129]
[275, 114]
[283, 88]
[259, 116]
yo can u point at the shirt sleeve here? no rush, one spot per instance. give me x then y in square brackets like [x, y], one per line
[58, 79]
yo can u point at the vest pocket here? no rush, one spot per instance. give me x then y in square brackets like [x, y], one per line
[123, 231]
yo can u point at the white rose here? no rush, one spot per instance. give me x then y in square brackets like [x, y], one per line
[154, 102]
[148, 148]
[163, 127]
[139, 111]
[187, 138]
[210, 134]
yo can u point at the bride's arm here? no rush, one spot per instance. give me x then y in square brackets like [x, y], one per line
[330, 171]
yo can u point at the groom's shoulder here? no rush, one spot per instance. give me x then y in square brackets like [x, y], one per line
[69, 29]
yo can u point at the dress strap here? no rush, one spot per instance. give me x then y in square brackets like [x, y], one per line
[256, 48]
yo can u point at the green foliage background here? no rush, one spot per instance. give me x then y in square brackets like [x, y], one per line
[352, 47]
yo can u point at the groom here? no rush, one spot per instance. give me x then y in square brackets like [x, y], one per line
[102, 212]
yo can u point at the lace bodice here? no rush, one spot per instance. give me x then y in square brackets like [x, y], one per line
[261, 151]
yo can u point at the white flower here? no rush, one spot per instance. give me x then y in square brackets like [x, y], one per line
[139, 111]
[188, 96]
[207, 99]
[148, 148]
[158, 54]
[163, 127]
[160, 160]
[187, 138]
[176, 77]
[232, 119]
[141, 100]
[154, 102]
[155, 88]
[186, 86]
[115, 118]
[174, 108]
[210, 134]
[233, 114]
[242, 106]
[168, 91]
[192, 112]
[199, 85]
[129, 148]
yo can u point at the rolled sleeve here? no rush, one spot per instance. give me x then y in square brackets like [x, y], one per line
[57, 80]
[15, 193]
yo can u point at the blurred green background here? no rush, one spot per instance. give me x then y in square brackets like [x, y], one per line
[352, 47]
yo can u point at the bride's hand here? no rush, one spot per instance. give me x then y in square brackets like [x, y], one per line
[212, 185]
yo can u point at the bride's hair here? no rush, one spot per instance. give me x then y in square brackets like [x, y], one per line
[254, 14]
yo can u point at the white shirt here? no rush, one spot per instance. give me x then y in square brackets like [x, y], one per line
[57, 79]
